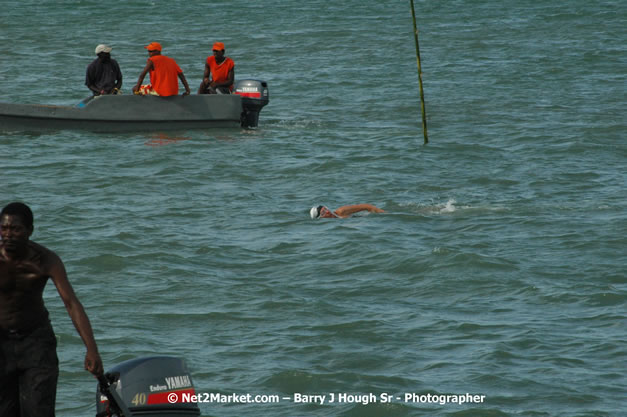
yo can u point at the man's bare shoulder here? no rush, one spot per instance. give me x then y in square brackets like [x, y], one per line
[42, 255]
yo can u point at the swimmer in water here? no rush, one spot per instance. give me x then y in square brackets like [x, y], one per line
[342, 212]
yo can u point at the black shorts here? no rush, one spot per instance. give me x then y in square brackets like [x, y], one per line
[29, 369]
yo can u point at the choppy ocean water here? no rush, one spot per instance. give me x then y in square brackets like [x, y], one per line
[498, 268]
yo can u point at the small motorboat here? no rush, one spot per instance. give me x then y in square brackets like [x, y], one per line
[124, 113]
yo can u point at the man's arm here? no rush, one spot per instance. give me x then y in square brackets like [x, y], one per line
[147, 68]
[93, 362]
[118, 85]
[184, 81]
[206, 75]
[90, 80]
[205, 80]
[346, 211]
[94, 90]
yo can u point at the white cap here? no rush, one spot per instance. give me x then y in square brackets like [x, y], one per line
[314, 213]
[103, 48]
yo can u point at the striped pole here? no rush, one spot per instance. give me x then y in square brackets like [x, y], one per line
[422, 94]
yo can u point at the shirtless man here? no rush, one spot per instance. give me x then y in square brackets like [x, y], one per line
[28, 358]
[342, 212]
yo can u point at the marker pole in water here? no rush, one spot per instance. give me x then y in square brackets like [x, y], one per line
[422, 94]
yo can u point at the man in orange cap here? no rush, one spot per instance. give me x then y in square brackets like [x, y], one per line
[219, 73]
[164, 74]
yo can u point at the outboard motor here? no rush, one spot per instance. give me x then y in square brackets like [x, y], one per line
[156, 386]
[254, 96]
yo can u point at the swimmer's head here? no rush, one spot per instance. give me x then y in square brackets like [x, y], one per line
[315, 212]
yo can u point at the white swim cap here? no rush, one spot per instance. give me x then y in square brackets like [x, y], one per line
[314, 213]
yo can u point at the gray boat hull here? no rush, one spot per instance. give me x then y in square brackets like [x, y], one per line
[117, 113]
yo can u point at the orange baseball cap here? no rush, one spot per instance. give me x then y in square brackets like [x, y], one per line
[218, 46]
[154, 46]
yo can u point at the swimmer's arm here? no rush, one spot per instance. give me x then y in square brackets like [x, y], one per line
[346, 211]
[93, 362]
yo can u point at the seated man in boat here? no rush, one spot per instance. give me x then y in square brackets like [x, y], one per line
[342, 212]
[164, 74]
[219, 72]
[103, 74]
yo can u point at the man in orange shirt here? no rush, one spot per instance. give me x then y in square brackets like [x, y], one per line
[221, 69]
[164, 74]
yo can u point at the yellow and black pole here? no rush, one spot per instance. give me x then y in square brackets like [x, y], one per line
[422, 94]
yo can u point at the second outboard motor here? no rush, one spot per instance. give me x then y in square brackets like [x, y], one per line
[156, 386]
[255, 95]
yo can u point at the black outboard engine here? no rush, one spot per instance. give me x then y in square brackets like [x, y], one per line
[254, 96]
[156, 386]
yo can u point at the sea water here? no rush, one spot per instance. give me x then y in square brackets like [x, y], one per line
[496, 273]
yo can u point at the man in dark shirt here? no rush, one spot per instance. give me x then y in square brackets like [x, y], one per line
[103, 74]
